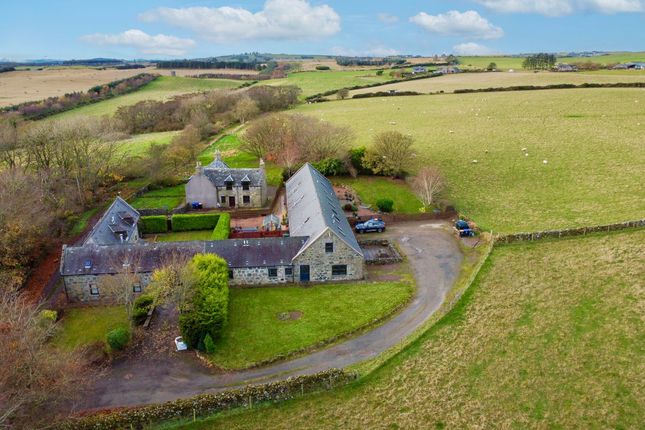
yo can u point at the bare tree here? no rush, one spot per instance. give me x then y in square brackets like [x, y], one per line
[9, 142]
[121, 286]
[174, 281]
[33, 377]
[245, 109]
[391, 154]
[428, 184]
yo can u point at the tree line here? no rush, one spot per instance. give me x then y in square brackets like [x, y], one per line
[209, 64]
[540, 61]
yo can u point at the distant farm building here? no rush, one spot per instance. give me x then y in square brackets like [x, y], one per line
[448, 70]
[630, 66]
[563, 67]
[419, 69]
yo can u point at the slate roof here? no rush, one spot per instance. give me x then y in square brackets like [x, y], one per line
[313, 208]
[217, 162]
[120, 219]
[146, 256]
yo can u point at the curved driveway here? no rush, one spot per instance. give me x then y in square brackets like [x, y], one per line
[435, 258]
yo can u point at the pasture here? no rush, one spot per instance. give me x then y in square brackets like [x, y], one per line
[137, 146]
[320, 81]
[507, 62]
[550, 335]
[592, 141]
[449, 83]
[162, 88]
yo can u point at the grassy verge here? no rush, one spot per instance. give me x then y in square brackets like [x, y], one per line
[267, 323]
[81, 224]
[169, 198]
[550, 335]
[370, 189]
[84, 326]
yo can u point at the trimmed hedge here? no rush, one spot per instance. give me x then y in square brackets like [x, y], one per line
[188, 222]
[223, 227]
[208, 404]
[551, 87]
[153, 224]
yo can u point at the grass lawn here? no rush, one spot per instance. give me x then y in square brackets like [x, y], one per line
[592, 140]
[138, 145]
[84, 326]
[170, 198]
[549, 336]
[256, 333]
[320, 81]
[449, 83]
[181, 236]
[162, 88]
[371, 189]
[81, 223]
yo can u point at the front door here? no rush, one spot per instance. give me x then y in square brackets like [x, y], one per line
[231, 201]
[304, 273]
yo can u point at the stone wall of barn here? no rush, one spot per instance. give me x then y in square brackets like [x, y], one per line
[78, 288]
[320, 261]
[246, 276]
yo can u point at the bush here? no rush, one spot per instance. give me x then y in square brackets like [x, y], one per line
[356, 156]
[323, 68]
[208, 312]
[141, 307]
[118, 338]
[330, 167]
[223, 227]
[209, 344]
[385, 205]
[139, 315]
[48, 316]
[183, 222]
[143, 301]
[153, 224]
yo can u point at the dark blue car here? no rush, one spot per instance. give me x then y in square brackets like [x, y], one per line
[370, 225]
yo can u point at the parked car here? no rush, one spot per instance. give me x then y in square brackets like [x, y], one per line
[370, 225]
[180, 344]
[465, 229]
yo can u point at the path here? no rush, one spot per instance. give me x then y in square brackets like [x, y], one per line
[435, 259]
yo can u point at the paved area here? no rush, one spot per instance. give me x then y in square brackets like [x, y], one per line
[435, 258]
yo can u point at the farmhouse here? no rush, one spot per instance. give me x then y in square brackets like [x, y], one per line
[217, 185]
[321, 247]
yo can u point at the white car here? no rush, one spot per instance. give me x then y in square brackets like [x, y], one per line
[180, 344]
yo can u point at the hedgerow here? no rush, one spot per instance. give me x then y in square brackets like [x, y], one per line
[153, 224]
[223, 227]
[187, 222]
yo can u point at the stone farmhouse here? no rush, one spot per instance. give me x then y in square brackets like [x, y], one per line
[219, 186]
[321, 247]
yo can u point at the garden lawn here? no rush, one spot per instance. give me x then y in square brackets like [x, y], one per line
[592, 140]
[81, 327]
[168, 198]
[320, 81]
[255, 333]
[370, 189]
[549, 336]
[162, 88]
[181, 236]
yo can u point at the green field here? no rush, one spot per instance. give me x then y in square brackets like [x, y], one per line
[162, 88]
[549, 336]
[371, 189]
[168, 198]
[138, 145]
[505, 63]
[84, 326]
[256, 332]
[317, 82]
[592, 140]
[459, 81]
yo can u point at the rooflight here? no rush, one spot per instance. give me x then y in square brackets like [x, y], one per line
[88, 264]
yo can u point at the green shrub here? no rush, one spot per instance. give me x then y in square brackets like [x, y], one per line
[143, 301]
[208, 312]
[209, 345]
[385, 205]
[223, 227]
[153, 224]
[330, 167]
[139, 315]
[118, 338]
[187, 222]
[323, 68]
[141, 307]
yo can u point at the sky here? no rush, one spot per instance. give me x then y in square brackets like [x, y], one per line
[155, 29]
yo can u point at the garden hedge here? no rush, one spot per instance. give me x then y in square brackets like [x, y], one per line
[153, 224]
[187, 222]
[208, 404]
[223, 227]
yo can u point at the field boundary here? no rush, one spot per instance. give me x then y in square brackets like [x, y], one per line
[568, 232]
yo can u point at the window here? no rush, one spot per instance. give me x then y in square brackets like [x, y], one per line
[329, 247]
[339, 270]
[273, 272]
[136, 288]
[223, 199]
[94, 290]
[230, 274]
[246, 200]
[288, 271]
[245, 186]
[229, 185]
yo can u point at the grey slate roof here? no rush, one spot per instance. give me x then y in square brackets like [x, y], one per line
[217, 162]
[313, 208]
[218, 177]
[98, 260]
[119, 220]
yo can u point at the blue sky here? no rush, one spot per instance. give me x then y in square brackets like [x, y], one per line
[185, 29]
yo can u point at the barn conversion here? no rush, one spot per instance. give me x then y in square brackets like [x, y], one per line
[321, 247]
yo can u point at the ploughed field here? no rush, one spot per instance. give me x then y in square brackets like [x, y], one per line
[550, 335]
[591, 139]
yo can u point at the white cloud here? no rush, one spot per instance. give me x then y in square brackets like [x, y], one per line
[387, 18]
[279, 19]
[455, 23]
[564, 7]
[472, 48]
[159, 44]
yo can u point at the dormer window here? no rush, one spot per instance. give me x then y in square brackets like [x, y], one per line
[229, 185]
[245, 186]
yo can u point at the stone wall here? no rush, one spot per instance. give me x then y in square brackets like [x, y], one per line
[244, 276]
[257, 194]
[581, 231]
[78, 288]
[320, 262]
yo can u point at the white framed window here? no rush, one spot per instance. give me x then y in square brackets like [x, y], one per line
[136, 288]
[94, 290]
